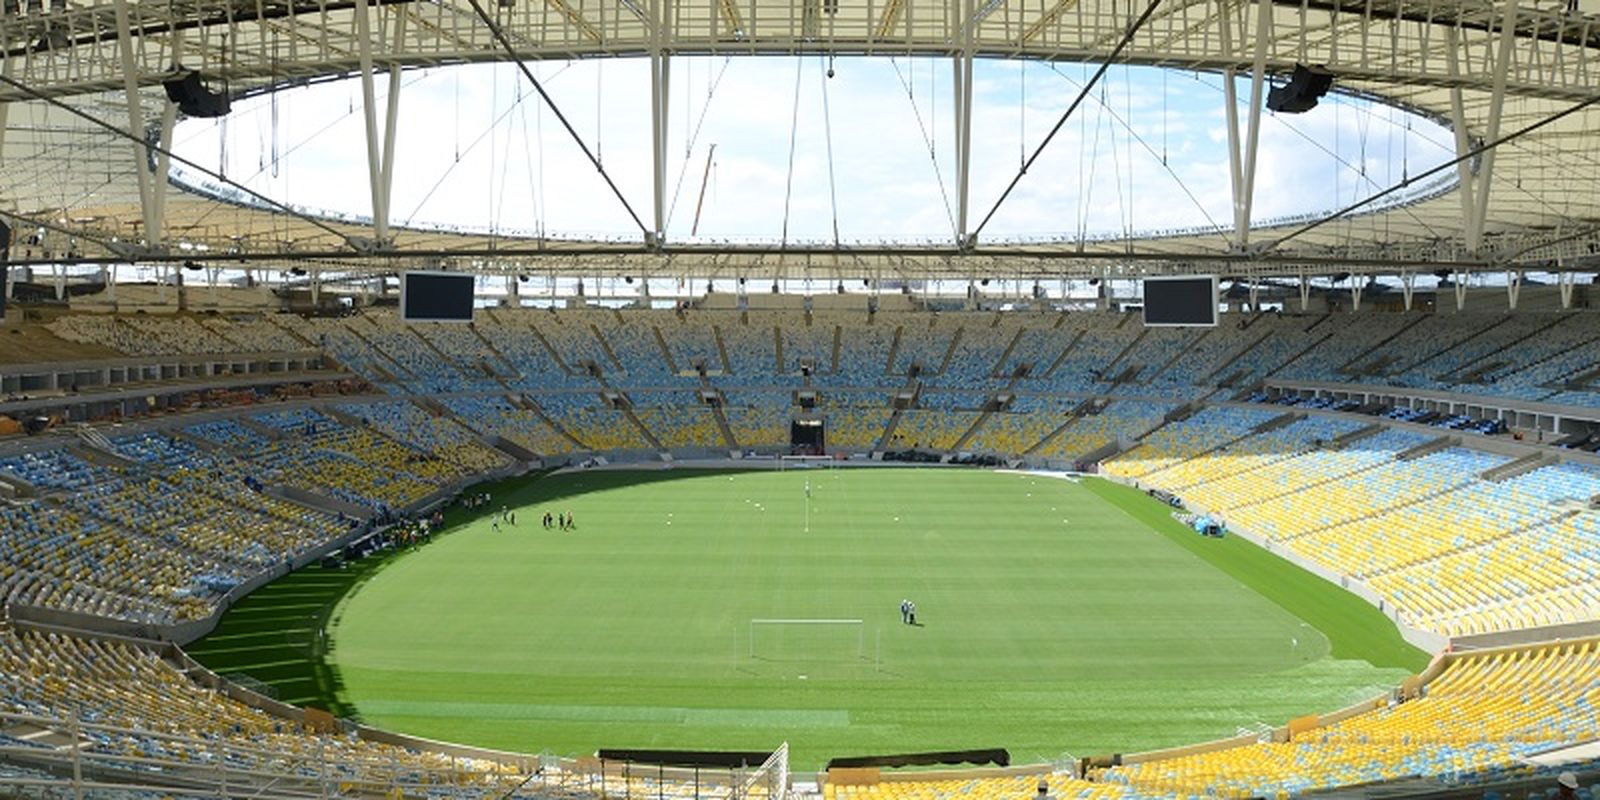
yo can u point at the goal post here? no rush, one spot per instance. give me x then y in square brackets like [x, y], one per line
[770, 781]
[806, 639]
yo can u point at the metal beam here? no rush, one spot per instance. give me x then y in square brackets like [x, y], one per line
[1253, 138]
[155, 233]
[1458, 122]
[1497, 97]
[391, 121]
[130, 87]
[369, 114]
[1242, 161]
[660, 97]
[962, 87]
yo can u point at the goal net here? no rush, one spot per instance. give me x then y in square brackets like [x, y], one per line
[808, 639]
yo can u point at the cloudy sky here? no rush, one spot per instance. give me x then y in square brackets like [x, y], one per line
[872, 149]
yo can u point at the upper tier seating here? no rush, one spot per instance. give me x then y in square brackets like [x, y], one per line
[1535, 356]
[638, 347]
[426, 370]
[1014, 432]
[863, 357]
[974, 361]
[440, 435]
[1350, 338]
[752, 354]
[495, 415]
[759, 419]
[923, 344]
[532, 366]
[803, 343]
[1209, 428]
[855, 427]
[1085, 434]
[925, 429]
[677, 419]
[597, 427]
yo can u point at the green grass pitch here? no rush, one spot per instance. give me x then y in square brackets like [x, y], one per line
[1055, 617]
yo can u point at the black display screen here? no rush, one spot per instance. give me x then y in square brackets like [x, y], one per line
[1180, 301]
[436, 297]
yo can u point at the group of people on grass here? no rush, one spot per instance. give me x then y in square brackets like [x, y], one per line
[507, 516]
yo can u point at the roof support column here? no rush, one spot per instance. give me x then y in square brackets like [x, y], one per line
[1242, 161]
[1460, 287]
[1513, 288]
[369, 113]
[1408, 287]
[391, 121]
[1474, 190]
[157, 234]
[1497, 97]
[1458, 121]
[660, 94]
[1358, 284]
[1564, 282]
[1305, 290]
[962, 86]
[130, 88]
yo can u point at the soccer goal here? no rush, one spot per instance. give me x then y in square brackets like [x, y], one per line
[808, 639]
[786, 463]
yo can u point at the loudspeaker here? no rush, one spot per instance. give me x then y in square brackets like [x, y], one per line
[1300, 94]
[194, 99]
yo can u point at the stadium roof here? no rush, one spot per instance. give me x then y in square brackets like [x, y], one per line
[1524, 73]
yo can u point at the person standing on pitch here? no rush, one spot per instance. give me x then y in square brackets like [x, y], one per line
[905, 611]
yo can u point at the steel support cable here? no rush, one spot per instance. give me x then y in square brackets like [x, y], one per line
[500, 36]
[694, 138]
[794, 130]
[1343, 162]
[927, 139]
[293, 148]
[827, 127]
[160, 150]
[1470, 154]
[1128, 126]
[1122, 44]
[472, 145]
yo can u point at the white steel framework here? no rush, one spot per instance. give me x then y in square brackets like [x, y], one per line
[1491, 69]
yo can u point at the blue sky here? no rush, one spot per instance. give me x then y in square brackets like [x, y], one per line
[477, 149]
